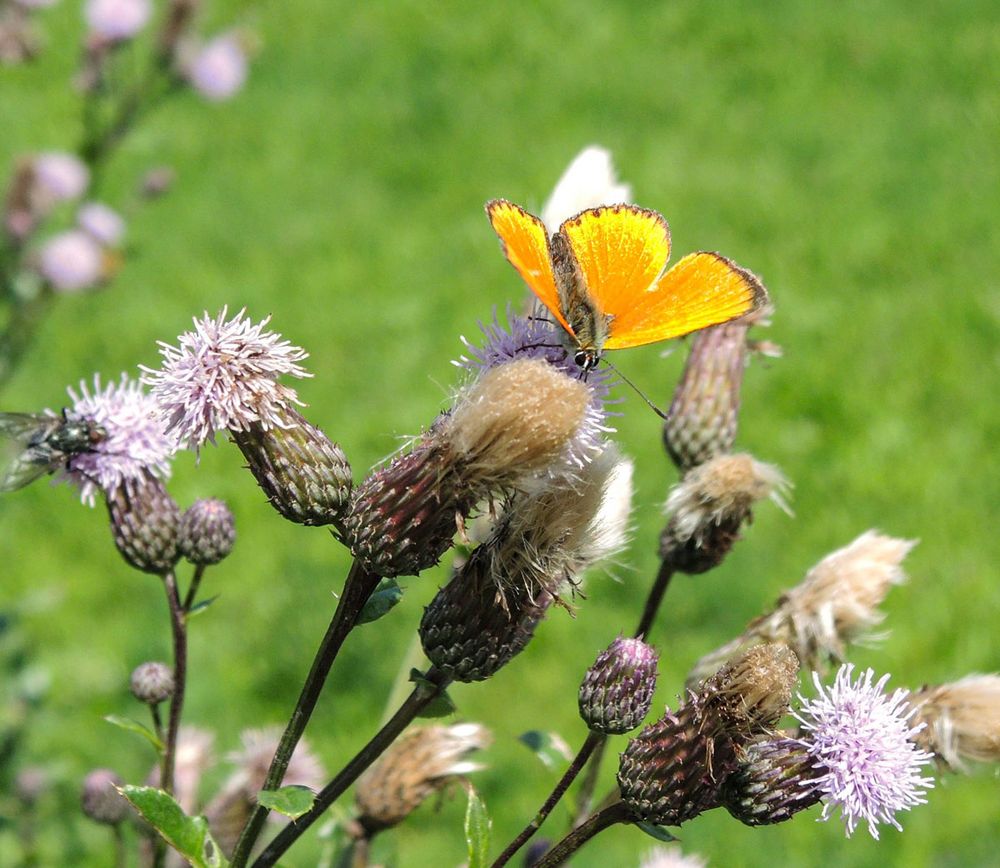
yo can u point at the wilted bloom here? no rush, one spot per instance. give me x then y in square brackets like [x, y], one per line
[115, 20]
[102, 223]
[618, 689]
[835, 604]
[709, 506]
[862, 739]
[422, 762]
[135, 442]
[152, 682]
[219, 69]
[61, 176]
[672, 857]
[961, 720]
[588, 181]
[71, 261]
[228, 811]
[100, 799]
[207, 531]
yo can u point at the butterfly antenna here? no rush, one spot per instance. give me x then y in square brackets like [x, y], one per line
[638, 391]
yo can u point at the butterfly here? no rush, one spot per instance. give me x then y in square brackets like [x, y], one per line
[604, 278]
[33, 444]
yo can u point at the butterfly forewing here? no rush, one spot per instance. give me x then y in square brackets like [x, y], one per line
[621, 250]
[701, 290]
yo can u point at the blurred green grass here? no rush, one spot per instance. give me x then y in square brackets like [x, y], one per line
[845, 152]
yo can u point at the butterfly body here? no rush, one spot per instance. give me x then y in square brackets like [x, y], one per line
[604, 277]
[38, 443]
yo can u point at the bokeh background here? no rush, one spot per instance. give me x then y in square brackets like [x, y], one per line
[847, 153]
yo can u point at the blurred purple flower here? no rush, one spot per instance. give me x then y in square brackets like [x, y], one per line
[101, 222]
[862, 740]
[116, 20]
[71, 261]
[136, 441]
[219, 70]
[61, 176]
[224, 375]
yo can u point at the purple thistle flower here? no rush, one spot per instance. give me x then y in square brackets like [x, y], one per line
[61, 176]
[219, 70]
[224, 375]
[117, 20]
[862, 740]
[532, 338]
[102, 223]
[135, 442]
[71, 261]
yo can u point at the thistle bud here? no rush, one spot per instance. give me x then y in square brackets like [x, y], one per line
[960, 720]
[514, 424]
[207, 532]
[709, 506]
[101, 800]
[144, 523]
[304, 474]
[152, 683]
[420, 763]
[774, 781]
[702, 419]
[618, 689]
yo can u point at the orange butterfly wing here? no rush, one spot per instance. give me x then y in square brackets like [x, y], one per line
[621, 250]
[525, 243]
[701, 290]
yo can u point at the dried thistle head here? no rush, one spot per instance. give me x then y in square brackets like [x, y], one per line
[709, 505]
[961, 720]
[422, 761]
[753, 692]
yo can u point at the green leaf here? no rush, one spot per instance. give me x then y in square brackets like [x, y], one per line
[384, 598]
[549, 747]
[657, 832]
[442, 705]
[201, 606]
[189, 836]
[477, 830]
[130, 725]
[292, 801]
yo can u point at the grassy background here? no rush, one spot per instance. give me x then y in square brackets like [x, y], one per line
[845, 152]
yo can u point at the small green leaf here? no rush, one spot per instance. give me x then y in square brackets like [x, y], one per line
[201, 606]
[657, 832]
[384, 598]
[189, 836]
[130, 725]
[550, 747]
[441, 706]
[292, 801]
[477, 830]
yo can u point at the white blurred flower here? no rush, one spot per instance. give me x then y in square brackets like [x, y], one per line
[71, 261]
[117, 19]
[61, 176]
[101, 222]
[219, 70]
[588, 181]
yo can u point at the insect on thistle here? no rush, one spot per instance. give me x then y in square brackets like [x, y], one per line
[33, 444]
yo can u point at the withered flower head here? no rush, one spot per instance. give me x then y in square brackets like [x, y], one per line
[421, 762]
[961, 720]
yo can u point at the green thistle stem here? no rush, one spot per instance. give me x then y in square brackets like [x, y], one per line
[604, 819]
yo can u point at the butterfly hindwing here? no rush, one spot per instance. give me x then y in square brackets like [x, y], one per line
[525, 243]
[700, 290]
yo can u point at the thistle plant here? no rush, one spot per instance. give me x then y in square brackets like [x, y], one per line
[520, 487]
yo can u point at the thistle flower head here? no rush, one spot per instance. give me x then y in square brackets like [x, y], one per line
[152, 682]
[136, 443]
[194, 756]
[117, 20]
[962, 720]
[100, 798]
[207, 531]
[618, 689]
[420, 763]
[224, 375]
[862, 739]
[102, 223]
[752, 692]
[588, 181]
[219, 70]
[71, 261]
[60, 176]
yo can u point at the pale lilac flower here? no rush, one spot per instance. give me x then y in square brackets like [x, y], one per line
[71, 261]
[672, 857]
[862, 740]
[61, 176]
[589, 181]
[135, 443]
[101, 222]
[116, 20]
[219, 70]
[224, 375]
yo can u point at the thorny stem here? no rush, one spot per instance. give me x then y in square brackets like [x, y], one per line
[358, 588]
[609, 816]
[192, 591]
[425, 691]
[179, 629]
[594, 739]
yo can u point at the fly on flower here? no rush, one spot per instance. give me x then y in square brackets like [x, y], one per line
[33, 444]
[604, 277]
